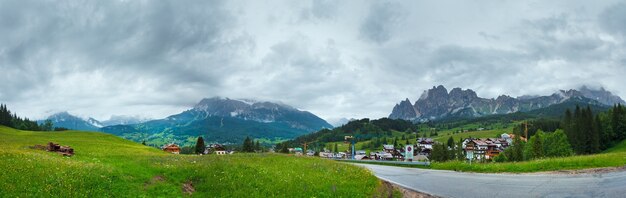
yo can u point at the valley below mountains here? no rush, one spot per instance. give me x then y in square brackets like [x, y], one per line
[218, 120]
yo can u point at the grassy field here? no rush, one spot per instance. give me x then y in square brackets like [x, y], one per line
[108, 166]
[614, 157]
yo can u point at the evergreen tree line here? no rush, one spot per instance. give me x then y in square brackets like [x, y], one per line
[583, 130]
[543, 124]
[612, 126]
[14, 121]
[363, 130]
[447, 151]
[250, 146]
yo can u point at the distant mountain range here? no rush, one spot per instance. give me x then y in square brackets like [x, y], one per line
[224, 120]
[437, 103]
[218, 119]
[67, 120]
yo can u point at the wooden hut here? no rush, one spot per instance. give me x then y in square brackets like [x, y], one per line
[172, 148]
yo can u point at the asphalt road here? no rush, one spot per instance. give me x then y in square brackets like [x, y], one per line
[457, 184]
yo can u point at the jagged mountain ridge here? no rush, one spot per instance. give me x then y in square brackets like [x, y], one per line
[438, 103]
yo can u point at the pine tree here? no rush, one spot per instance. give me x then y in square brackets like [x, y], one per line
[595, 135]
[248, 146]
[450, 142]
[284, 148]
[577, 122]
[257, 146]
[517, 150]
[567, 126]
[200, 145]
[450, 147]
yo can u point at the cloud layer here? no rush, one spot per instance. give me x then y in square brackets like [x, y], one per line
[335, 59]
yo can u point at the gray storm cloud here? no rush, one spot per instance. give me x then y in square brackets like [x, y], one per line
[335, 59]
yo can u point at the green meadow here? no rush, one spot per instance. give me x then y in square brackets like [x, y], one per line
[109, 166]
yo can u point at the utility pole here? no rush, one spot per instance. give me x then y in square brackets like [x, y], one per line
[526, 129]
[305, 144]
[352, 141]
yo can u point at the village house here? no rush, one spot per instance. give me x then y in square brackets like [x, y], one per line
[424, 146]
[475, 149]
[381, 156]
[217, 149]
[388, 148]
[485, 148]
[298, 151]
[326, 154]
[361, 157]
[171, 148]
[340, 155]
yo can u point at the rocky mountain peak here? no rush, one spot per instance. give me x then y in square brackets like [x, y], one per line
[404, 110]
[458, 94]
[438, 92]
[504, 97]
[601, 95]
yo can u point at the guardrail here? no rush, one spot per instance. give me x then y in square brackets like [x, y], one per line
[386, 162]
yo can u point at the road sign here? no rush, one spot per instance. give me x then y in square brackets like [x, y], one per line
[408, 155]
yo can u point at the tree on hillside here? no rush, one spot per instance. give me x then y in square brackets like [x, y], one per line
[439, 153]
[47, 126]
[534, 147]
[517, 149]
[284, 148]
[200, 145]
[557, 145]
[584, 131]
[450, 142]
[451, 147]
[459, 150]
[248, 146]
[594, 140]
[257, 146]
[5, 116]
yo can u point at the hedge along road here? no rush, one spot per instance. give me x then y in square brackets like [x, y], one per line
[458, 184]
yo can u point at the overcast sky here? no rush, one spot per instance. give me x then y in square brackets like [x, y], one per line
[332, 58]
